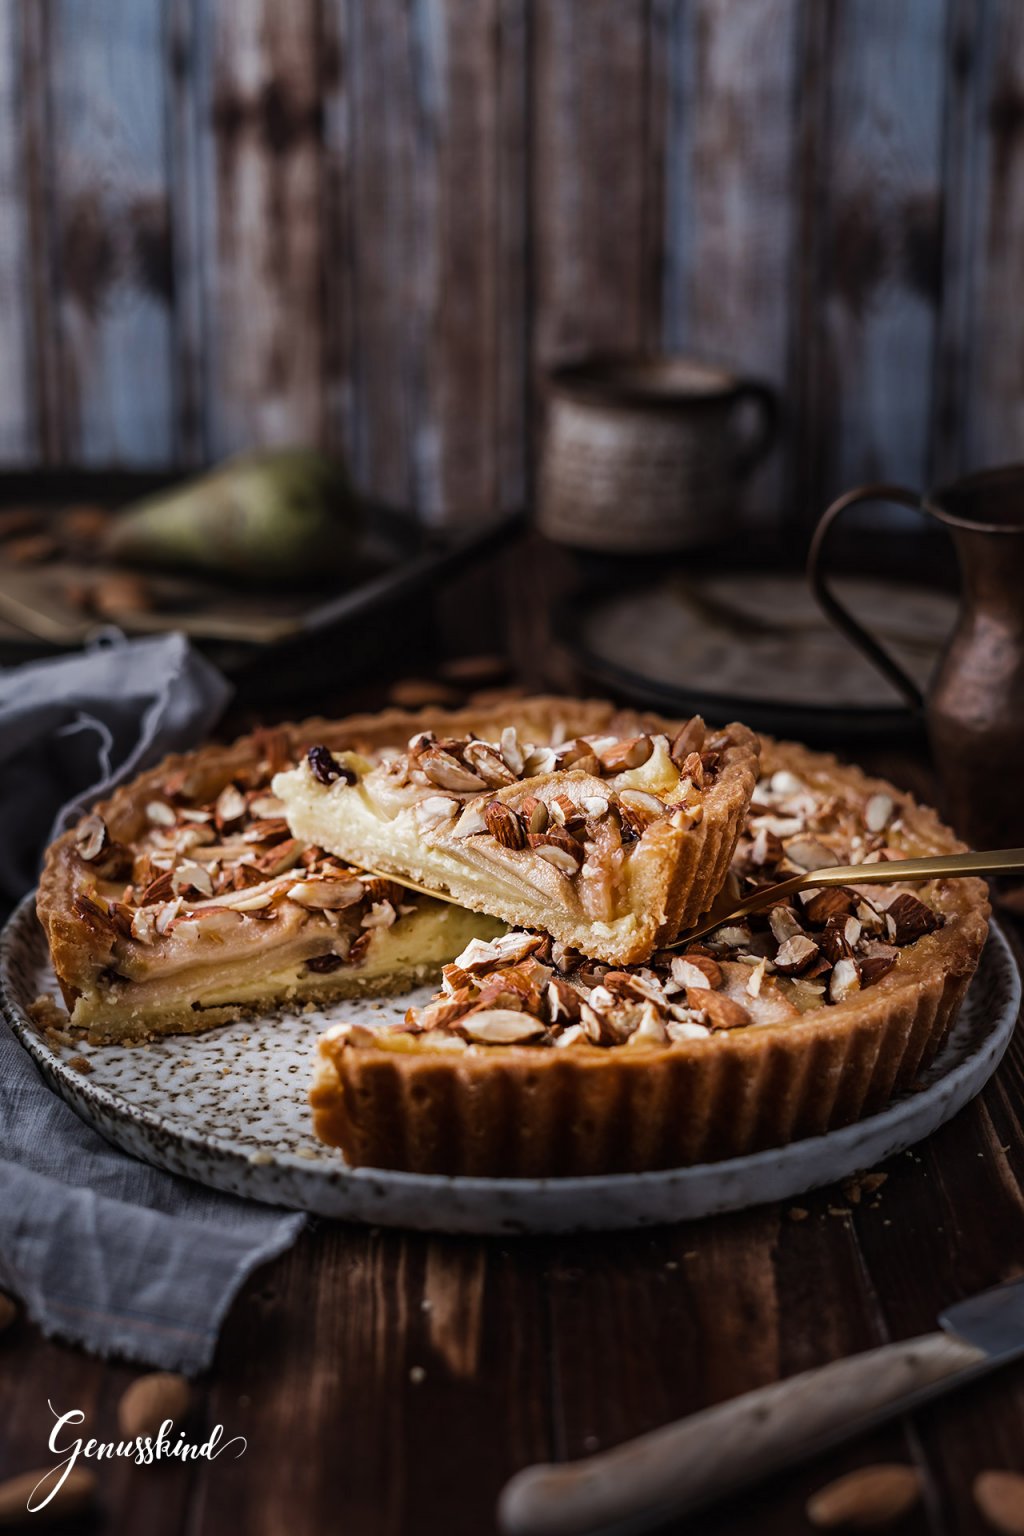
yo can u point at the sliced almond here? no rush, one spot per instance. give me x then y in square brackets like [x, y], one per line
[809, 853]
[878, 812]
[277, 860]
[540, 760]
[866, 1499]
[511, 750]
[563, 1000]
[686, 1029]
[784, 924]
[651, 1029]
[91, 837]
[249, 901]
[167, 914]
[230, 806]
[160, 814]
[844, 981]
[266, 807]
[567, 861]
[150, 1400]
[785, 783]
[795, 955]
[638, 809]
[158, 889]
[486, 761]
[143, 927]
[435, 809]
[444, 770]
[381, 915]
[190, 876]
[470, 822]
[500, 1026]
[326, 895]
[482, 955]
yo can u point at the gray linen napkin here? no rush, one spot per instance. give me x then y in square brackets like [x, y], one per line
[105, 1251]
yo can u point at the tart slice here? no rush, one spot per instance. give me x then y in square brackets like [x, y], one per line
[184, 901]
[608, 831]
[535, 1060]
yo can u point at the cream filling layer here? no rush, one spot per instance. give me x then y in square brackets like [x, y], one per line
[423, 941]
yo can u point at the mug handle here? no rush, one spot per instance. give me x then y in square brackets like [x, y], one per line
[834, 610]
[762, 440]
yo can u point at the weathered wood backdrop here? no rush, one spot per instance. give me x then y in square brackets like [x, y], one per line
[375, 222]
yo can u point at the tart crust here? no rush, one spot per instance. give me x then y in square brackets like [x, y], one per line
[661, 882]
[522, 1111]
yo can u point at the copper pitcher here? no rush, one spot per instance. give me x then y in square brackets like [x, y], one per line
[974, 707]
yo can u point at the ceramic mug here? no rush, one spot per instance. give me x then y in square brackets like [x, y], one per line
[647, 454]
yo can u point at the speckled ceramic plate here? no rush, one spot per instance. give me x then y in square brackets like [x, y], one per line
[229, 1108]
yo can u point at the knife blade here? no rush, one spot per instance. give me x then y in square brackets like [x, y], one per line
[685, 1466]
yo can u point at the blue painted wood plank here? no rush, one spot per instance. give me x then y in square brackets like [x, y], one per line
[112, 252]
[880, 186]
[19, 441]
[258, 101]
[991, 395]
[732, 195]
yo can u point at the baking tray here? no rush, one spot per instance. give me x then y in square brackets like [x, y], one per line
[269, 643]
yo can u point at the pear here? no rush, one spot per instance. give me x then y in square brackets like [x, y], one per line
[272, 517]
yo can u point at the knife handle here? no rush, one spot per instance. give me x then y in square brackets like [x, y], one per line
[685, 1465]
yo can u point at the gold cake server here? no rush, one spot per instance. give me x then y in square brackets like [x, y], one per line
[997, 861]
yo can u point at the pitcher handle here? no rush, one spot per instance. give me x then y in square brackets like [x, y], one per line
[834, 609]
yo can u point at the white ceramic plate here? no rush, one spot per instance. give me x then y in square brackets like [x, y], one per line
[229, 1108]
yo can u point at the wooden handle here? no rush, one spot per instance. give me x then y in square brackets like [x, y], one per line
[688, 1464]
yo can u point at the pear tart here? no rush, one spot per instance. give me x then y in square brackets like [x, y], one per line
[534, 1059]
[185, 901]
[606, 830]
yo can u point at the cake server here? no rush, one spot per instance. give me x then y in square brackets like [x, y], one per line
[997, 861]
[685, 1466]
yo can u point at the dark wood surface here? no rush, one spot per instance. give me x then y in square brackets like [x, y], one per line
[377, 222]
[389, 1382]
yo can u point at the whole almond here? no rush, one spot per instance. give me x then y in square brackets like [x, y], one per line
[152, 1399]
[689, 739]
[8, 1312]
[631, 753]
[504, 825]
[1000, 1497]
[866, 1499]
[74, 1497]
[708, 967]
[722, 1012]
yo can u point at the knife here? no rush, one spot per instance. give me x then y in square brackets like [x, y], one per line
[684, 1466]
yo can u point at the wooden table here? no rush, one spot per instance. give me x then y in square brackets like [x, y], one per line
[390, 1382]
